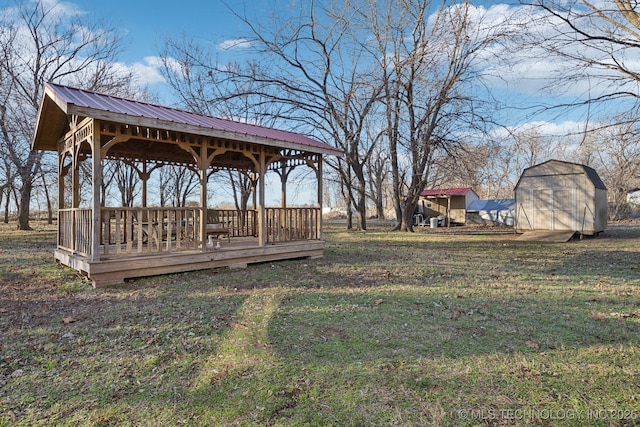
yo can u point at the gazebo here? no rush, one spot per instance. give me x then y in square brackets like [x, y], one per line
[110, 244]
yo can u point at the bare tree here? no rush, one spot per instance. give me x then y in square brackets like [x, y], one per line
[176, 185]
[308, 73]
[334, 69]
[596, 42]
[432, 67]
[39, 42]
[378, 173]
[127, 182]
[493, 165]
[193, 73]
[470, 165]
[243, 187]
[522, 148]
[614, 151]
[185, 184]
[164, 186]
[7, 175]
[44, 172]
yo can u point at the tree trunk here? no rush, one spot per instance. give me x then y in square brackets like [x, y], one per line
[349, 214]
[379, 195]
[6, 206]
[395, 176]
[407, 220]
[361, 189]
[407, 215]
[46, 193]
[23, 210]
[345, 191]
[362, 204]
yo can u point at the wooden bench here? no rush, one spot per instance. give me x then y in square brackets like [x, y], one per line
[219, 229]
[152, 230]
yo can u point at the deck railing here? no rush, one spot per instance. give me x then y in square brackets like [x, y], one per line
[289, 224]
[240, 223]
[75, 230]
[126, 231]
[140, 231]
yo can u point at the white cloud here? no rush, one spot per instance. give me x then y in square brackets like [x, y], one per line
[521, 64]
[61, 8]
[148, 72]
[55, 9]
[567, 127]
[231, 44]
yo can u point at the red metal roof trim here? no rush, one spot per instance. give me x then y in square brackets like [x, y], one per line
[460, 191]
[98, 101]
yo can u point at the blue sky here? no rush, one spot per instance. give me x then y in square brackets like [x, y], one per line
[145, 22]
[144, 25]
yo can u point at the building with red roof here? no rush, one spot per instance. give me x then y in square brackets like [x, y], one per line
[447, 204]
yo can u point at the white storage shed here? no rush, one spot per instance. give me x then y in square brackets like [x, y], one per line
[558, 195]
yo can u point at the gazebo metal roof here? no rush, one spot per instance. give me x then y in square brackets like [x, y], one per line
[60, 101]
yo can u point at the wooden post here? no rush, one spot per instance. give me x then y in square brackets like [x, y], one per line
[75, 180]
[75, 192]
[319, 178]
[283, 225]
[203, 193]
[61, 175]
[261, 212]
[254, 191]
[145, 177]
[96, 181]
[283, 183]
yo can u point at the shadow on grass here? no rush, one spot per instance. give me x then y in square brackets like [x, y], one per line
[600, 264]
[114, 348]
[356, 338]
[355, 327]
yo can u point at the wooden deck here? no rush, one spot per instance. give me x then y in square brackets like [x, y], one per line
[138, 242]
[238, 253]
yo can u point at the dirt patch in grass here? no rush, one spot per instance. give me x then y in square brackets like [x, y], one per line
[461, 326]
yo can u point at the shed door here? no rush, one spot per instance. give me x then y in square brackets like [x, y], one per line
[524, 214]
[542, 208]
[564, 209]
[554, 208]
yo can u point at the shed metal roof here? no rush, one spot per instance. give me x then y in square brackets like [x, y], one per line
[92, 104]
[594, 177]
[589, 171]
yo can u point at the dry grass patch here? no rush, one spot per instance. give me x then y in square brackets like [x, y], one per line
[439, 327]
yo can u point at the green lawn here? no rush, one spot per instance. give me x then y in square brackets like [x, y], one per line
[434, 328]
